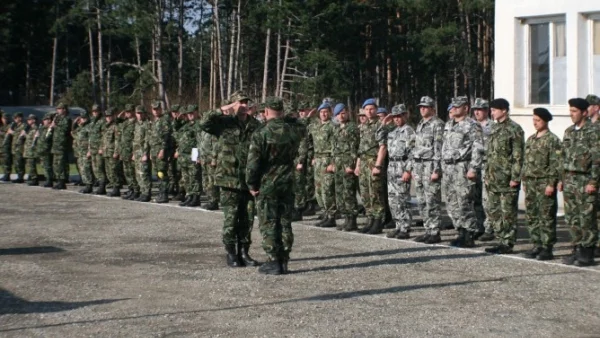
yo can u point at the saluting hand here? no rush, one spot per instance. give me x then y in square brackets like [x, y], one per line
[176, 154]
[161, 154]
[357, 171]
[330, 168]
[471, 175]
[590, 189]
[299, 167]
[254, 192]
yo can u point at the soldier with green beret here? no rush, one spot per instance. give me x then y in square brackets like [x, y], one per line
[18, 131]
[60, 128]
[108, 150]
[29, 153]
[160, 141]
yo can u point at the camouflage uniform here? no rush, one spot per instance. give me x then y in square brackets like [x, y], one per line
[504, 153]
[270, 171]
[187, 139]
[207, 146]
[480, 194]
[322, 136]
[17, 149]
[5, 153]
[541, 169]
[97, 125]
[174, 172]
[159, 138]
[125, 150]
[300, 176]
[371, 187]
[82, 139]
[140, 148]
[346, 139]
[61, 134]
[43, 150]
[109, 149]
[29, 153]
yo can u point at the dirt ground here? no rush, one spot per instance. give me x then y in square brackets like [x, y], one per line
[74, 265]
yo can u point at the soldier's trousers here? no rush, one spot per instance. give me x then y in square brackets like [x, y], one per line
[208, 183]
[130, 176]
[480, 197]
[371, 189]
[98, 167]
[236, 227]
[59, 161]
[143, 173]
[502, 213]
[175, 173]
[192, 176]
[325, 186]
[580, 210]
[275, 224]
[162, 168]
[300, 188]
[540, 212]
[310, 182]
[19, 163]
[31, 165]
[112, 174]
[459, 193]
[7, 163]
[85, 170]
[399, 196]
[46, 161]
[345, 187]
[429, 195]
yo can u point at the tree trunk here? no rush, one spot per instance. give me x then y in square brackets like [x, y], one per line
[108, 78]
[211, 94]
[158, 34]
[100, 64]
[236, 70]
[92, 63]
[200, 60]
[28, 75]
[285, 61]
[278, 63]
[219, 49]
[266, 64]
[180, 45]
[139, 63]
[231, 53]
[53, 71]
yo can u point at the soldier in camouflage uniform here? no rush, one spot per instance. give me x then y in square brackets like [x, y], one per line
[234, 132]
[141, 155]
[427, 169]
[81, 137]
[462, 154]
[269, 176]
[187, 139]
[309, 192]
[371, 170]
[60, 128]
[485, 231]
[541, 174]
[108, 150]
[208, 164]
[160, 139]
[504, 152]
[124, 149]
[581, 172]
[178, 120]
[346, 139]
[43, 148]
[594, 116]
[29, 151]
[18, 132]
[399, 144]
[300, 171]
[322, 138]
[97, 125]
[5, 153]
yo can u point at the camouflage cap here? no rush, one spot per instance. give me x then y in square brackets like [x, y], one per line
[426, 101]
[62, 106]
[481, 104]
[95, 107]
[361, 112]
[84, 114]
[175, 108]
[593, 99]
[109, 111]
[238, 96]
[261, 107]
[459, 101]
[399, 110]
[140, 109]
[48, 116]
[303, 105]
[191, 108]
[18, 114]
[156, 104]
[129, 108]
[225, 102]
[275, 103]
[32, 117]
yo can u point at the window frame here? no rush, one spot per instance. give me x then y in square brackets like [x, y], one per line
[591, 18]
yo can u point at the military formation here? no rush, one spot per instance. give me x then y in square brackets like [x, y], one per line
[282, 163]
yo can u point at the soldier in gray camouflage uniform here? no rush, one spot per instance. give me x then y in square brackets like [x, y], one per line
[427, 170]
[399, 142]
[462, 158]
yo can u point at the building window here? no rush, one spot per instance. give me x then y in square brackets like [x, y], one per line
[596, 56]
[547, 62]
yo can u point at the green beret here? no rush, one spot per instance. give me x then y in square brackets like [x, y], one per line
[156, 104]
[275, 103]
[593, 99]
[175, 108]
[109, 111]
[191, 108]
[48, 116]
[238, 96]
[84, 114]
[17, 114]
[95, 107]
[32, 117]
[61, 106]
[129, 107]
[140, 109]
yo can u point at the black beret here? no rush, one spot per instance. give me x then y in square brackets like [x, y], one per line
[579, 103]
[501, 104]
[543, 113]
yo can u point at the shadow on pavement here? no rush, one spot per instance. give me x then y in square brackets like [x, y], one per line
[30, 250]
[368, 254]
[12, 304]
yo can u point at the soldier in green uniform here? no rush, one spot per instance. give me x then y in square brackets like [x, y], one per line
[309, 194]
[5, 153]
[234, 132]
[18, 132]
[300, 173]
[541, 174]
[269, 176]
[594, 116]
[81, 136]
[581, 172]
[141, 155]
[108, 150]
[97, 124]
[60, 128]
[504, 152]
[187, 139]
[124, 148]
[29, 151]
[159, 140]
[346, 140]
[43, 149]
[208, 163]
[178, 120]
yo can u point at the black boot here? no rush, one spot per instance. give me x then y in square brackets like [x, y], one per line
[328, 222]
[245, 257]
[533, 253]
[572, 258]
[60, 185]
[143, 198]
[351, 224]
[185, 202]
[585, 257]
[309, 210]
[377, 227]
[101, 189]
[488, 236]
[87, 190]
[127, 194]
[545, 254]
[181, 196]
[115, 192]
[460, 239]
[5, 178]
[501, 249]
[341, 226]
[272, 268]
[48, 184]
[19, 180]
[296, 215]
[163, 196]
[212, 206]
[195, 202]
[135, 196]
[368, 226]
[232, 257]
[33, 183]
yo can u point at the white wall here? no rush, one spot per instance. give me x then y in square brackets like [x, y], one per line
[511, 72]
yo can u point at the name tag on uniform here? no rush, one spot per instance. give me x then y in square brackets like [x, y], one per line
[195, 154]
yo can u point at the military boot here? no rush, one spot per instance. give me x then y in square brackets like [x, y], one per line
[433, 239]
[185, 202]
[533, 253]
[328, 222]
[143, 198]
[272, 268]
[127, 194]
[135, 196]
[460, 238]
[572, 258]
[5, 178]
[377, 227]
[232, 257]
[101, 188]
[309, 210]
[296, 215]
[488, 236]
[422, 238]
[368, 226]
[60, 185]
[245, 257]
[585, 257]
[351, 224]
[33, 183]
[163, 196]
[545, 254]
[341, 226]
[115, 192]
[501, 249]
[87, 190]
[19, 180]
[195, 201]
[48, 184]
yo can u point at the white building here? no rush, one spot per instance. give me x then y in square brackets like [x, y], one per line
[546, 52]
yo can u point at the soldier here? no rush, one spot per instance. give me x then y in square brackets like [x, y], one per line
[178, 120]
[60, 128]
[109, 151]
[124, 149]
[208, 163]
[43, 149]
[269, 175]
[594, 108]
[504, 152]
[29, 151]
[159, 139]
[187, 139]
[311, 204]
[234, 132]
[322, 134]
[541, 174]
[362, 117]
[370, 168]
[427, 170]
[97, 125]
[18, 131]
[581, 171]
[399, 143]
[81, 137]
[346, 138]
[301, 165]
[5, 152]
[485, 231]
[141, 155]
[462, 154]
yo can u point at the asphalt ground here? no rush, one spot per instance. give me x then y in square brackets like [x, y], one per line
[74, 265]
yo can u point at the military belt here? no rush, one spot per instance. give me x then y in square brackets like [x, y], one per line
[318, 155]
[421, 160]
[399, 158]
[453, 161]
